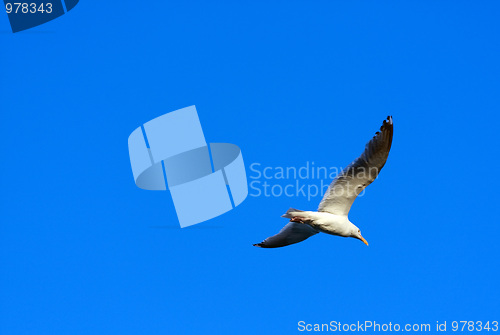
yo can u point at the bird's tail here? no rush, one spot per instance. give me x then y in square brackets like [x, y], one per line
[289, 212]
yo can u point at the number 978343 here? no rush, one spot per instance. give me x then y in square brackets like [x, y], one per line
[28, 8]
[463, 326]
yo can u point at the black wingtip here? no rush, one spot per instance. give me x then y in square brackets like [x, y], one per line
[387, 122]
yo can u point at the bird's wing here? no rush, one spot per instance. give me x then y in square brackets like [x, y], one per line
[293, 232]
[360, 173]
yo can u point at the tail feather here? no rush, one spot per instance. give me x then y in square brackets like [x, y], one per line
[290, 210]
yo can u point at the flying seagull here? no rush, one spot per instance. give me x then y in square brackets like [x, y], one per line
[331, 217]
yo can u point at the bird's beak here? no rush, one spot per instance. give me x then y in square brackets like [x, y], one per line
[362, 239]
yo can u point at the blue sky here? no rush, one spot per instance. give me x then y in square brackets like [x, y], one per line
[84, 251]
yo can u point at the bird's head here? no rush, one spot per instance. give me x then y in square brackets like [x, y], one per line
[356, 233]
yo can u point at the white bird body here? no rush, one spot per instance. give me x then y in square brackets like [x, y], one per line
[331, 217]
[328, 223]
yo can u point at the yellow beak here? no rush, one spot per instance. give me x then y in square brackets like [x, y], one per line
[362, 239]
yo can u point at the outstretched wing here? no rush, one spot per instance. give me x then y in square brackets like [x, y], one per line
[292, 233]
[360, 173]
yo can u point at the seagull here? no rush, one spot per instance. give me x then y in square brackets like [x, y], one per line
[331, 216]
